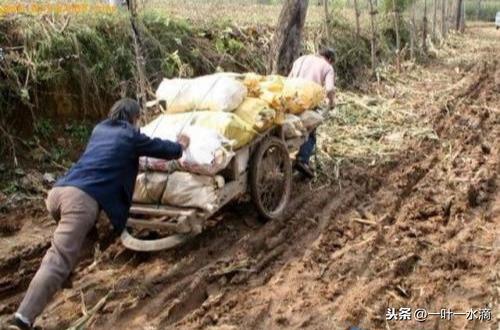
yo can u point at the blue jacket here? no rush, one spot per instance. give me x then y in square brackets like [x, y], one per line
[108, 168]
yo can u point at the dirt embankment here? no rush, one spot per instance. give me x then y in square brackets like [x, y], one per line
[419, 231]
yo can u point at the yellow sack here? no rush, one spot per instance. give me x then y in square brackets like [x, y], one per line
[252, 83]
[267, 88]
[257, 113]
[273, 83]
[293, 95]
[226, 124]
[300, 95]
[271, 89]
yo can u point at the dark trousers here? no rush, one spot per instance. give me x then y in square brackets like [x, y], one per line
[307, 149]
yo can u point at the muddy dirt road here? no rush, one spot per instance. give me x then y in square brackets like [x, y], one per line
[419, 231]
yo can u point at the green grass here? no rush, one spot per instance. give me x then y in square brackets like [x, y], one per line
[92, 60]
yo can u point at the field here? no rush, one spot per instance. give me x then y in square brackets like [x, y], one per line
[404, 213]
[249, 13]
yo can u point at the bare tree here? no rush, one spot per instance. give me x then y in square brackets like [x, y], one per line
[373, 12]
[459, 15]
[356, 10]
[462, 18]
[434, 19]
[444, 30]
[424, 29]
[413, 27]
[143, 83]
[478, 12]
[327, 19]
[285, 44]
[450, 14]
[396, 28]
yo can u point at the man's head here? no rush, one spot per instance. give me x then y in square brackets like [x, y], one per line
[125, 109]
[328, 53]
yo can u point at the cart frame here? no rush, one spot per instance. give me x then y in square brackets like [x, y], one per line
[242, 174]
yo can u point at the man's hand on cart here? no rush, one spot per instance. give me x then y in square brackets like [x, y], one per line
[183, 140]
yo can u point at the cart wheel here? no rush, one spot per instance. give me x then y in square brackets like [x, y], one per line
[271, 178]
[141, 245]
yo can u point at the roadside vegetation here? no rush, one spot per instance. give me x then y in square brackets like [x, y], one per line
[60, 73]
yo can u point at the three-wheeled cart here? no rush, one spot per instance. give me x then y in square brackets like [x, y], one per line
[262, 169]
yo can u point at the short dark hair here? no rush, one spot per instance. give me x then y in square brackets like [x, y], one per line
[125, 109]
[328, 53]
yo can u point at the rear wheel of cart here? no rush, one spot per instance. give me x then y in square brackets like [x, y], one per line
[271, 178]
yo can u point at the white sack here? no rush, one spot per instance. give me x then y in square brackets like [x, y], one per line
[190, 190]
[311, 119]
[293, 127]
[217, 92]
[149, 187]
[208, 152]
[162, 128]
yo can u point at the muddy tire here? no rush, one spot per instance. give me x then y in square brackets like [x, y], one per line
[165, 243]
[270, 178]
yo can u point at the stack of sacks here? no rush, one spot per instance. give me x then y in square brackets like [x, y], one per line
[226, 124]
[213, 99]
[191, 181]
[181, 189]
[200, 108]
[291, 96]
[197, 185]
[218, 117]
[208, 152]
